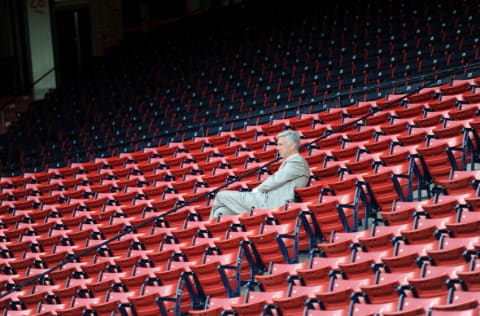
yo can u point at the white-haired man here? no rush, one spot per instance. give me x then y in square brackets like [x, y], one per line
[277, 189]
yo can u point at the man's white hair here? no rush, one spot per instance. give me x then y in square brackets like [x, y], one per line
[292, 137]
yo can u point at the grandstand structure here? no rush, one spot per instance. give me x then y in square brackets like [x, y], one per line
[107, 183]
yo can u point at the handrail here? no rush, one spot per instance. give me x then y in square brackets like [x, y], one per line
[391, 83]
[128, 230]
[2, 106]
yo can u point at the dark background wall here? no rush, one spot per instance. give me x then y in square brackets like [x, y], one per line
[82, 30]
[13, 53]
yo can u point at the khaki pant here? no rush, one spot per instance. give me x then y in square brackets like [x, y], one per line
[236, 203]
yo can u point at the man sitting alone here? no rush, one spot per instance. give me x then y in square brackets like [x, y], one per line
[276, 190]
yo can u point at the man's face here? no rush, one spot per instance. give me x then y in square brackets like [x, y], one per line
[284, 148]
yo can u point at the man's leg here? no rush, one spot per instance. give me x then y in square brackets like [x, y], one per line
[235, 203]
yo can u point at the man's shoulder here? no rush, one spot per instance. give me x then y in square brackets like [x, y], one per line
[298, 159]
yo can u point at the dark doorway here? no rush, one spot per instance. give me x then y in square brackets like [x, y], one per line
[74, 40]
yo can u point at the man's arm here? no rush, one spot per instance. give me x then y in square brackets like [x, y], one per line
[292, 170]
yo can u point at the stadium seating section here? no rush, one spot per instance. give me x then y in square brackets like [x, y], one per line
[388, 225]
